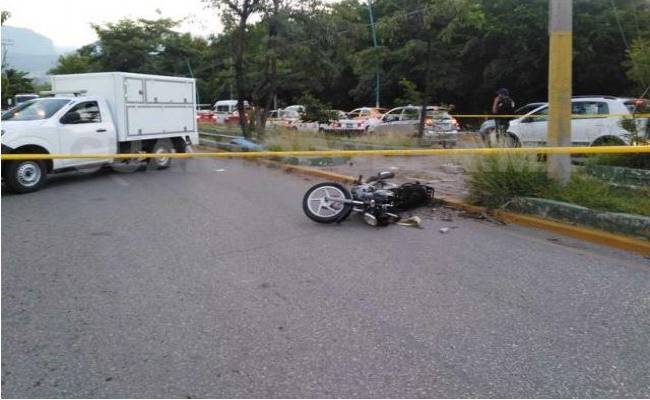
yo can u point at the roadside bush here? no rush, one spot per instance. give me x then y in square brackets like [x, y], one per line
[494, 180]
[315, 110]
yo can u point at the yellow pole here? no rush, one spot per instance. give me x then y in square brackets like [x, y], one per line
[559, 86]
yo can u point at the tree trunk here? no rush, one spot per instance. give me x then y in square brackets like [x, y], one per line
[427, 89]
[239, 75]
[270, 73]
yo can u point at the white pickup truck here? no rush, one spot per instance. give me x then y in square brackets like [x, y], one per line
[98, 113]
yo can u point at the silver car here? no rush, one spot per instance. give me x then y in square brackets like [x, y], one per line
[405, 121]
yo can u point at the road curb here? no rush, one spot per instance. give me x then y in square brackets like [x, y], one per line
[587, 234]
[578, 232]
[633, 225]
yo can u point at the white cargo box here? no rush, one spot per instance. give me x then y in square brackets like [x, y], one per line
[142, 106]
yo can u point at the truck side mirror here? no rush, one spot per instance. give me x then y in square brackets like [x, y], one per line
[72, 117]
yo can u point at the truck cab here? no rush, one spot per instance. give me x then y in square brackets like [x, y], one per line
[56, 125]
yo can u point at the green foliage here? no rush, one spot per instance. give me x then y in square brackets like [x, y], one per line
[593, 193]
[14, 82]
[475, 46]
[315, 110]
[4, 15]
[639, 160]
[494, 180]
[638, 62]
[73, 63]
[143, 46]
[410, 93]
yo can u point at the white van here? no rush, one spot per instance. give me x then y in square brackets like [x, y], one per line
[223, 108]
[98, 113]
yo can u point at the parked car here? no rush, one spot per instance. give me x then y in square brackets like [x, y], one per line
[282, 118]
[297, 108]
[225, 108]
[438, 124]
[489, 125]
[601, 124]
[233, 117]
[320, 127]
[358, 121]
[205, 113]
[110, 113]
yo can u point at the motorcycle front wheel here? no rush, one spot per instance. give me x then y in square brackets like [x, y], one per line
[320, 203]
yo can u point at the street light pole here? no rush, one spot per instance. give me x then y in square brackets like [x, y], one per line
[374, 43]
[559, 86]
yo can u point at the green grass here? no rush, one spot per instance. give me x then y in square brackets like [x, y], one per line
[640, 161]
[494, 180]
[591, 192]
[289, 140]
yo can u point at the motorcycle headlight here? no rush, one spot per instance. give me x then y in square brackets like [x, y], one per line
[370, 219]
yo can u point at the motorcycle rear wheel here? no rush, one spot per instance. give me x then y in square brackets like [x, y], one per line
[320, 205]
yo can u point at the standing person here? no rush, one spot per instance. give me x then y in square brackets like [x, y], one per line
[502, 105]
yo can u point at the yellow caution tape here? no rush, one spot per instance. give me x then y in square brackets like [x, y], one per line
[574, 116]
[350, 153]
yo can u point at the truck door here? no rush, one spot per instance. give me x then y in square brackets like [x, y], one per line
[87, 129]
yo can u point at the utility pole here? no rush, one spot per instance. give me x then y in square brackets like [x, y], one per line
[560, 60]
[374, 44]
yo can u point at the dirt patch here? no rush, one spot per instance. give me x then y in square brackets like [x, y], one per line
[446, 175]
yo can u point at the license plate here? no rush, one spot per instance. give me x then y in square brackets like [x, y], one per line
[349, 126]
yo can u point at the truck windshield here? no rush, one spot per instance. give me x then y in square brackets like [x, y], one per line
[21, 98]
[35, 110]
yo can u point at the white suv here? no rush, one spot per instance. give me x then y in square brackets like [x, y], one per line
[602, 124]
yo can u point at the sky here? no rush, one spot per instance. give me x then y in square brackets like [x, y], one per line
[67, 22]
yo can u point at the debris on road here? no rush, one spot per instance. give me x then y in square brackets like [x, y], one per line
[445, 229]
[414, 221]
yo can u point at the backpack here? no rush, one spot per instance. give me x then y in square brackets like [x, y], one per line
[506, 106]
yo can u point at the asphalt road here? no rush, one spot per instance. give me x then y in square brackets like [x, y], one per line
[207, 280]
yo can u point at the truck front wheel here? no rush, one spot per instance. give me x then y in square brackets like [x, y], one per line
[24, 176]
[161, 147]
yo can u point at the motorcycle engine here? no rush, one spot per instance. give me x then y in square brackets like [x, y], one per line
[383, 196]
[379, 203]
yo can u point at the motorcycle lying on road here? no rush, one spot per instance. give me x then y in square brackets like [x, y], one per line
[380, 201]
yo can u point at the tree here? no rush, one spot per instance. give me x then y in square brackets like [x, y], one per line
[4, 15]
[143, 46]
[14, 82]
[73, 63]
[638, 62]
[426, 38]
[235, 16]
